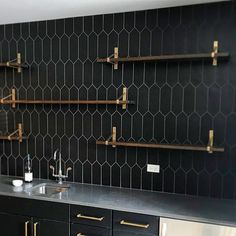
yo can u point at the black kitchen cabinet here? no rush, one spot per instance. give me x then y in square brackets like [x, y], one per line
[78, 229]
[14, 225]
[91, 216]
[42, 227]
[30, 217]
[90, 221]
[125, 233]
[128, 224]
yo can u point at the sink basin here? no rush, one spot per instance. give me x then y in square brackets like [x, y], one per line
[47, 189]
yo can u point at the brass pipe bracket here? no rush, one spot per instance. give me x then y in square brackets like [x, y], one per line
[123, 99]
[214, 54]
[17, 133]
[11, 98]
[16, 63]
[114, 56]
[210, 142]
[112, 138]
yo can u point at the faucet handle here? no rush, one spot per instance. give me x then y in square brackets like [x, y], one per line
[67, 171]
[53, 170]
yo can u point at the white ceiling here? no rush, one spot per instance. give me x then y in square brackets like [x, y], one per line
[15, 11]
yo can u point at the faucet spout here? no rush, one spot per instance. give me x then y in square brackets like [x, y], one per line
[60, 176]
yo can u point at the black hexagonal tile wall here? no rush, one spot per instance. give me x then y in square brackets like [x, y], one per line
[175, 102]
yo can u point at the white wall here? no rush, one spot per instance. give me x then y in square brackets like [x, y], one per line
[14, 11]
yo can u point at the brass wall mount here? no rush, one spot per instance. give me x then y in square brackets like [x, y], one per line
[114, 56]
[112, 141]
[15, 63]
[15, 135]
[215, 52]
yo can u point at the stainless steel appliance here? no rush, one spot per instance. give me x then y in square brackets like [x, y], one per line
[171, 227]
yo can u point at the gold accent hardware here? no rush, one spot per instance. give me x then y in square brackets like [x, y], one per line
[19, 131]
[15, 63]
[214, 54]
[210, 141]
[26, 228]
[35, 228]
[79, 234]
[124, 98]
[114, 56]
[144, 226]
[113, 136]
[13, 97]
[90, 217]
[18, 61]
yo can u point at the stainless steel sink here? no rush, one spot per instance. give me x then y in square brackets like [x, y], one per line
[47, 189]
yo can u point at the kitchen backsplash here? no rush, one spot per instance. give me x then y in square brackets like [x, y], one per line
[175, 102]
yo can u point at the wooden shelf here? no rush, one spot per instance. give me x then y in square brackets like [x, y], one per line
[123, 101]
[215, 55]
[16, 135]
[15, 64]
[161, 146]
[209, 148]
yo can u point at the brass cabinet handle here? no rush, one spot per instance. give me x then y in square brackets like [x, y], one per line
[123, 222]
[26, 228]
[79, 234]
[35, 228]
[90, 217]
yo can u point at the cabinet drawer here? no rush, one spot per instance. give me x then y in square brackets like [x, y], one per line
[37, 208]
[85, 230]
[91, 216]
[135, 224]
[124, 233]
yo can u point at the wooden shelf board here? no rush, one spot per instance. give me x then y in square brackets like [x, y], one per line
[161, 146]
[198, 56]
[95, 102]
[12, 138]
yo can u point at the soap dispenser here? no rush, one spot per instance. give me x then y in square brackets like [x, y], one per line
[28, 175]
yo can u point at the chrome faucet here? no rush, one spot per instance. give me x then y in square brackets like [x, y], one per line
[60, 176]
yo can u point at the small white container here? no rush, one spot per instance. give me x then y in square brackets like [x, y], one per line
[28, 177]
[17, 182]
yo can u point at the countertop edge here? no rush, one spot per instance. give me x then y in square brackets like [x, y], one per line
[108, 207]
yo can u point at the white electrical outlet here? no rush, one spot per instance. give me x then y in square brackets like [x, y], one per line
[153, 168]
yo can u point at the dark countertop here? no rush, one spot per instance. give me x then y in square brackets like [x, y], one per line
[175, 206]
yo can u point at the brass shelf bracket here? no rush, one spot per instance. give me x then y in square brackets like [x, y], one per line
[11, 97]
[17, 134]
[123, 99]
[15, 64]
[114, 56]
[215, 52]
[112, 138]
[210, 141]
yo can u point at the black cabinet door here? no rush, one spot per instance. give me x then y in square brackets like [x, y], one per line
[14, 225]
[124, 233]
[87, 230]
[43, 227]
